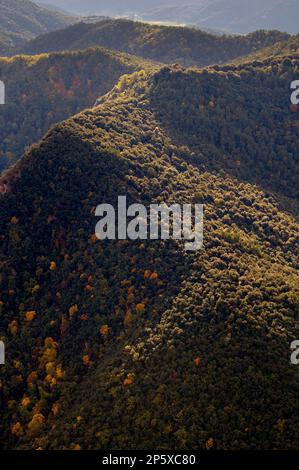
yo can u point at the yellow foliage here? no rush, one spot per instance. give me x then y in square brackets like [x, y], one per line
[55, 408]
[53, 382]
[25, 402]
[49, 355]
[104, 330]
[48, 378]
[73, 309]
[59, 372]
[140, 307]
[50, 352]
[13, 327]
[35, 289]
[210, 443]
[14, 220]
[29, 316]
[280, 425]
[52, 266]
[50, 367]
[17, 429]
[37, 423]
[49, 342]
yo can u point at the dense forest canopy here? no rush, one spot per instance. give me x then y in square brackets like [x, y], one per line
[43, 90]
[22, 20]
[142, 345]
[187, 46]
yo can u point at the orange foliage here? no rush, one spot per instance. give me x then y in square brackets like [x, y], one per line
[25, 402]
[140, 307]
[154, 276]
[197, 360]
[32, 377]
[104, 330]
[93, 238]
[86, 360]
[210, 443]
[129, 380]
[17, 429]
[29, 316]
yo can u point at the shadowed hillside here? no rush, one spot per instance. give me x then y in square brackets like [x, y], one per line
[22, 20]
[162, 43]
[42, 90]
[140, 344]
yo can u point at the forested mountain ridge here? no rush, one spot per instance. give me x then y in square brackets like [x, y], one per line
[282, 48]
[238, 119]
[43, 90]
[166, 44]
[22, 20]
[140, 344]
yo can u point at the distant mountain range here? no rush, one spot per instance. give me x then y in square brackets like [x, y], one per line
[233, 16]
[168, 44]
[22, 20]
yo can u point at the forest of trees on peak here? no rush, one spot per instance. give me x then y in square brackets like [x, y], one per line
[43, 90]
[140, 344]
[287, 47]
[168, 44]
[236, 118]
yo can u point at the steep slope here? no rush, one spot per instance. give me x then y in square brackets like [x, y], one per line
[239, 118]
[162, 43]
[22, 20]
[8, 41]
[140, 344]
[42, 90]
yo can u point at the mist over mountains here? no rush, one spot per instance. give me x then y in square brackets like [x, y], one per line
[232, 16]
